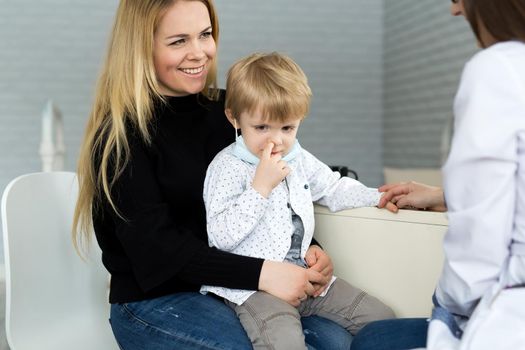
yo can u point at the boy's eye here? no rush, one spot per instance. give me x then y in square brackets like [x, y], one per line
[288, 128]
[261, 127]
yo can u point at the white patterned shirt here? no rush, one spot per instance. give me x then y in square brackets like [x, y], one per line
[242, 221]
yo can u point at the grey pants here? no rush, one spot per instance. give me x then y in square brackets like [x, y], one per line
[272, 323]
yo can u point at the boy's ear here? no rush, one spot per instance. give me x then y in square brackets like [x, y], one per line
[230, 117]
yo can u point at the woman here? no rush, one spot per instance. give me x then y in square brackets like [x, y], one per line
[479, 296]
[156, 123]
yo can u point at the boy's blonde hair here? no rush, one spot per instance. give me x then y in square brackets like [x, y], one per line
[272, 82]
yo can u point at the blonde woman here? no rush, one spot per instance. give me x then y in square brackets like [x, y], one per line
[156, 123]
[479, 298]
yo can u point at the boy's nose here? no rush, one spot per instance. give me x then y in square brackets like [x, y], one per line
[276, 139]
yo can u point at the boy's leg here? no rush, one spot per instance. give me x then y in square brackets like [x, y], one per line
[348, 306]
[270, 322]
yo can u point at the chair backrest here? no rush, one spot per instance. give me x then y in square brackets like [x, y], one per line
[54, 299]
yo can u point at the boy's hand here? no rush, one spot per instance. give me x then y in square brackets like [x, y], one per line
[391, 207]
[318, 260]
[270, 171]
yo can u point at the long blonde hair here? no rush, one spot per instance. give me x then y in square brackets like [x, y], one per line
[125, 94]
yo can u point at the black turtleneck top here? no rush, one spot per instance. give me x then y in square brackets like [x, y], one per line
[161, 245]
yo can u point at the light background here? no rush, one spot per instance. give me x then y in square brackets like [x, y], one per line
[383, 73]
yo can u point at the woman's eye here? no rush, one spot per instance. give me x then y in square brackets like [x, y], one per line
[177, 42]
[206, 35]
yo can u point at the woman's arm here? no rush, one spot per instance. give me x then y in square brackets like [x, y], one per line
[288, 282]
[154, 244]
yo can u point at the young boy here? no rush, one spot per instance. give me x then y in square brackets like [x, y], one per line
[259, 195]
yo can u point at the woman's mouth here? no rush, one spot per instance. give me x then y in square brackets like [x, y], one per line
[192, 71]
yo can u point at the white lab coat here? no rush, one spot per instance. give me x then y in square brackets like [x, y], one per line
[484, 182]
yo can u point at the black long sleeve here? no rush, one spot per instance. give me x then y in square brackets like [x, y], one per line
[160, 245]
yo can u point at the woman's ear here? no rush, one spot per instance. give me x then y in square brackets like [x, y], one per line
[230, 117]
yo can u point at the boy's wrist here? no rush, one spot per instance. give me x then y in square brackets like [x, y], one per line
[262, 190]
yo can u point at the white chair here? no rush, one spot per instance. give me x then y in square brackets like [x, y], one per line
[54, 300]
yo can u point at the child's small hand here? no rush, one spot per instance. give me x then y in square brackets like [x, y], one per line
[388, 206]
[270, 171]
[310, 259]
[318, 260]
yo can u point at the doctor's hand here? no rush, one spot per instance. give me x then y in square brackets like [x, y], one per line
[319, 261]
[270, 171]
[413, 195]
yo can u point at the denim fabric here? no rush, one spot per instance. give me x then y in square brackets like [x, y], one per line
[395, 334]
[445, 316]
[195, 321]
[323, 334]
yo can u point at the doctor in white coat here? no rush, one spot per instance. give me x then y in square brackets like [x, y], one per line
[480, 297]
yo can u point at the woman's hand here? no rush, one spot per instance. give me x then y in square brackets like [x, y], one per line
[288, 282]
[319, 261]
[413, 195]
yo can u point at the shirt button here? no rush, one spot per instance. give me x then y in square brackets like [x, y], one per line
[288, 205]
[305, 187]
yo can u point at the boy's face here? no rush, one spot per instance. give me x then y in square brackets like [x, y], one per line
[257, 131]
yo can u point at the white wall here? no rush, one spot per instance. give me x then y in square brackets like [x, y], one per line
[425, 50]
[364, 59]
[48, 49]
[339, 46]
[53, 49]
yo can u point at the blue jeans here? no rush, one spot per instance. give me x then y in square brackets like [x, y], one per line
[395, 334]
[195, 321]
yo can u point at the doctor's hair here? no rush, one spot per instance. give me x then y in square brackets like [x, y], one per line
[503, 19]
[271, 83]
[126, 92]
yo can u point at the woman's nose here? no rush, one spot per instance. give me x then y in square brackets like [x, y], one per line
[456, 8]
[196, 52]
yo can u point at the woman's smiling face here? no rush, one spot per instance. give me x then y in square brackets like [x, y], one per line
[184, 48]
